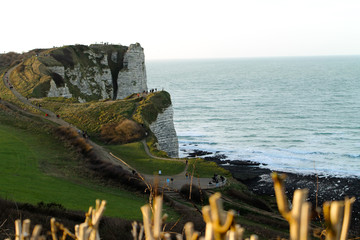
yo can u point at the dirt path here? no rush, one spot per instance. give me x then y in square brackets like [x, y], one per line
[174, 182]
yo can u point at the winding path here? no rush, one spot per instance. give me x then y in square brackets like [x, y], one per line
[165, 182]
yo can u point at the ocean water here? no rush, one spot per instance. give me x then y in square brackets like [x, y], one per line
[294, 114]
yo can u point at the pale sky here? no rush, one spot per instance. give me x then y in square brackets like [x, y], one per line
[171, 29]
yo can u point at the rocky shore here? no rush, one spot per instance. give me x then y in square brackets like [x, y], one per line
[257, 178]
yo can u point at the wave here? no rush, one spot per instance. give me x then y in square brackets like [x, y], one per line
[292, 141]
[323, 133]
[304, 152]
[352, 155]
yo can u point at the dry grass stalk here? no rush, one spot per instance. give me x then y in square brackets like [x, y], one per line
[337, 214]
[152, 225]
[58, 227]
[22, 231]
[190, 234]
[137, 235]
[299, 216]
[220, 225]
[337, 218]
[90, 228]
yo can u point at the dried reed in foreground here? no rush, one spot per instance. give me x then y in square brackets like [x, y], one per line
[220, 224]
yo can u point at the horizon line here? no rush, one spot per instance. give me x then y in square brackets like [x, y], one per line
[252, 57]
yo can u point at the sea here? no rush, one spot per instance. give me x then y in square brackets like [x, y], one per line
[292, 114]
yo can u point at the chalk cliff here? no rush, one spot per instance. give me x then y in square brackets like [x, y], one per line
[97, 72]
[164, 130]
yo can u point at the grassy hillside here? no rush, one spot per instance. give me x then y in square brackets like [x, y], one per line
[6, 94]
[134, 154]
[95, 117]
[30, 77]
[90, 116]
[36, 167]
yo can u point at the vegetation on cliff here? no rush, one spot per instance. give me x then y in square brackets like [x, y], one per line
[108, 119]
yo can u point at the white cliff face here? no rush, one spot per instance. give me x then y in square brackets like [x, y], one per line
[89, 81]
[164, 130]
[58, 91]
[132, 79]
[55, 91]
[96, 82]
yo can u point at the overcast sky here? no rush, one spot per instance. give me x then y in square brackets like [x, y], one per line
[169, 29]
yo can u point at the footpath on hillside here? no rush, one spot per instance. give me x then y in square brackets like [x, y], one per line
[173, 182]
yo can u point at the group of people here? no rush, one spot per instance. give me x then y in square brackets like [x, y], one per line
[216, 179]
[170, 181]
[144, 93]
[9, 84]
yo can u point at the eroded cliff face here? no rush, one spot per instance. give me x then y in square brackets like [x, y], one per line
[133, 76]
[98, 72]
[164, 130]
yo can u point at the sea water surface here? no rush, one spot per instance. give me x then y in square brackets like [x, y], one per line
[294, 114]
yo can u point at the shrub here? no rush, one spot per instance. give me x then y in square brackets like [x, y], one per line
[73, 137]
[124, 132]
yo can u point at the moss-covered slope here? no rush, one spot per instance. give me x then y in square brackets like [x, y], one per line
[96, 117]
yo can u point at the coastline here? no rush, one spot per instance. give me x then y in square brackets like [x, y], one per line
[258, 180]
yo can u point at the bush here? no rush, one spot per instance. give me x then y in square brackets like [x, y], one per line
[77, 141]
[124, 132]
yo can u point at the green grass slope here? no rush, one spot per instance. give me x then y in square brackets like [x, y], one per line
[25, 156]
[135, 155]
